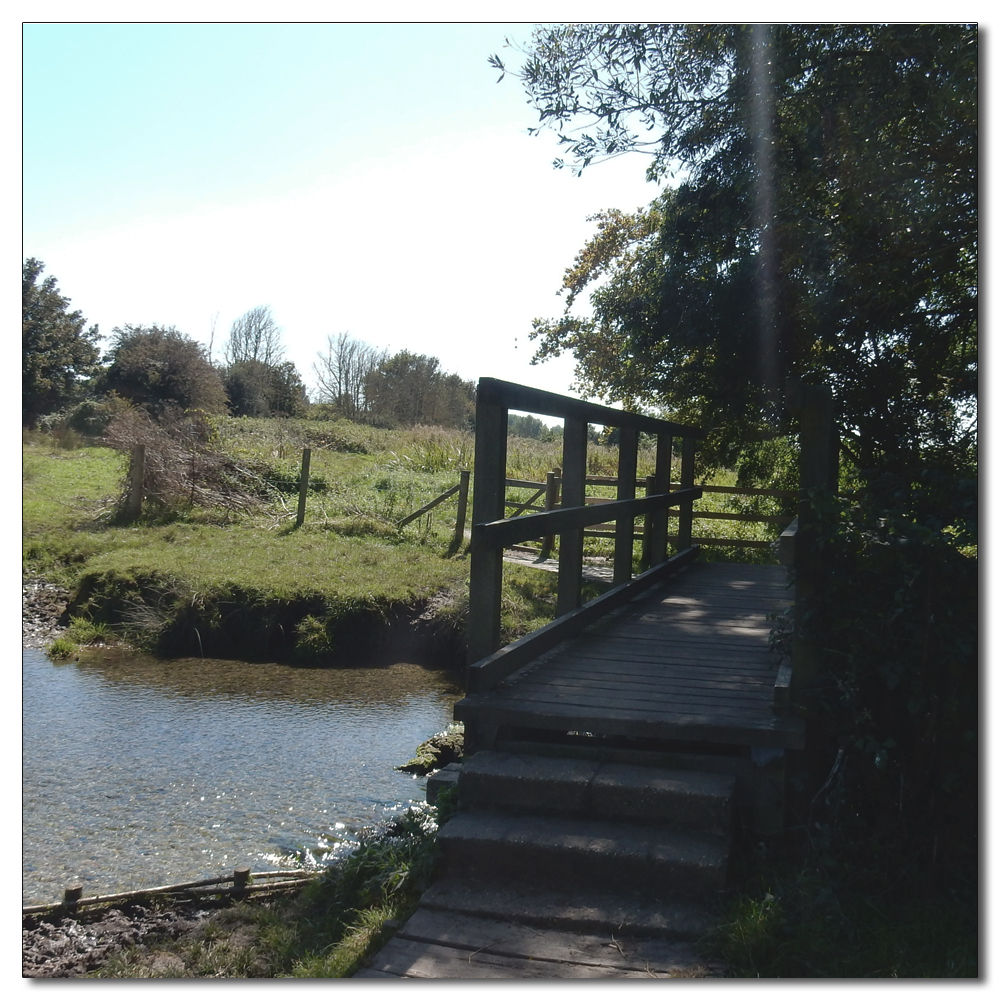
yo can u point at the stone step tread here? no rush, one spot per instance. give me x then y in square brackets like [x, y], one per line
[524, 766]
[445, 945]
[581, 908]
[498, 779]
[580, 837]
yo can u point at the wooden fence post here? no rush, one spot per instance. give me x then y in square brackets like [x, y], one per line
[73, 893]
[463, 505]
[241, 879]
[137, 474]
[628, 456]
[303, 488]
[574, 488]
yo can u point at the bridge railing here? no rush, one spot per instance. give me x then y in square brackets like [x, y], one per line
[706, 534]
[492, 532]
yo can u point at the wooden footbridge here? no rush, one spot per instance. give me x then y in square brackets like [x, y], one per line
[610, 755]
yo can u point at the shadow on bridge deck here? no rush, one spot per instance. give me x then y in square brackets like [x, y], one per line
[688, 661]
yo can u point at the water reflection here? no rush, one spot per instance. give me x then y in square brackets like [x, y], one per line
[139, 771]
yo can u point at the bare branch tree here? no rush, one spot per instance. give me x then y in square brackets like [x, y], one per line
[255, 337]
[343, 371]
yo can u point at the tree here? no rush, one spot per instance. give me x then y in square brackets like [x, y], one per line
[256, 389]
[822, 223]
[159, 368]
[57, 352]
[411, 389]
[255, 337]
[343, 371]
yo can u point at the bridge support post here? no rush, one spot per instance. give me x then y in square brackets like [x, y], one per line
[813, 405]
[486, 563]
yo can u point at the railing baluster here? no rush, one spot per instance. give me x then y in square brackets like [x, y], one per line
[687, 480]
[628, 458]
[491, 532]
[661, 484]
[573, 495]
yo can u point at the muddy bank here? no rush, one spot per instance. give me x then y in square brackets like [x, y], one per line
[256, 629]
[65, 947]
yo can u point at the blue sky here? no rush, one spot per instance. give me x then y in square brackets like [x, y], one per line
[373, 178]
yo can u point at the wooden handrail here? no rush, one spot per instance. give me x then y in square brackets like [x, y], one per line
[509, 531]
[492, 531]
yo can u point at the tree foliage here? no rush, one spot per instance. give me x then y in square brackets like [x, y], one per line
[821, 223]
[57, 352]
[343, 370]
[408, 389]
[255, 337]
[256, 389]
[403, 389]
[160, 368]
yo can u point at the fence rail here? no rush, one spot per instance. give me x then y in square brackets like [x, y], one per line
[566, 513]
[552, 486]
[242, 882]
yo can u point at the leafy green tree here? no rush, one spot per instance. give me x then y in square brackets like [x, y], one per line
[410, 389]
[57, 352]
[161, 368]
[822, 223]
[256, 389]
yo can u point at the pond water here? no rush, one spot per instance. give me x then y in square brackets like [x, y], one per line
[141, 772]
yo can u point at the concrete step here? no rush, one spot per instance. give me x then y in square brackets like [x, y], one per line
[581, 909]
[569, 853]
[528, 783]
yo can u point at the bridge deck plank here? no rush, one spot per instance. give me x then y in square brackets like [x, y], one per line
[689, 661]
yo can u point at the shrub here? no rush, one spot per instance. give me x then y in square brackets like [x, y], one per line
[897, 620]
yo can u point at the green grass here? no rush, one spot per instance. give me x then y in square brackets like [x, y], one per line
[202, 580]
[324, 932]
[796, 921]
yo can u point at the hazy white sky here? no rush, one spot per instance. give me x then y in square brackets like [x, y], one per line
[373, 178]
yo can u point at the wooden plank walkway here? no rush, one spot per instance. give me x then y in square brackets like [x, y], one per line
[690, 661]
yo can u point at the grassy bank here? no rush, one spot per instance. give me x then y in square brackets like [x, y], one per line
[198, 579]
[325, 931]
[239, 579]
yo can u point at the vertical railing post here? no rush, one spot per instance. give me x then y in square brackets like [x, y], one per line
[573, 495]
[463, 506]
[551, 502]
[486, 563]
[303, 488]
[647, 527]
[661, 484]
[686, 516]
[628, 458]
